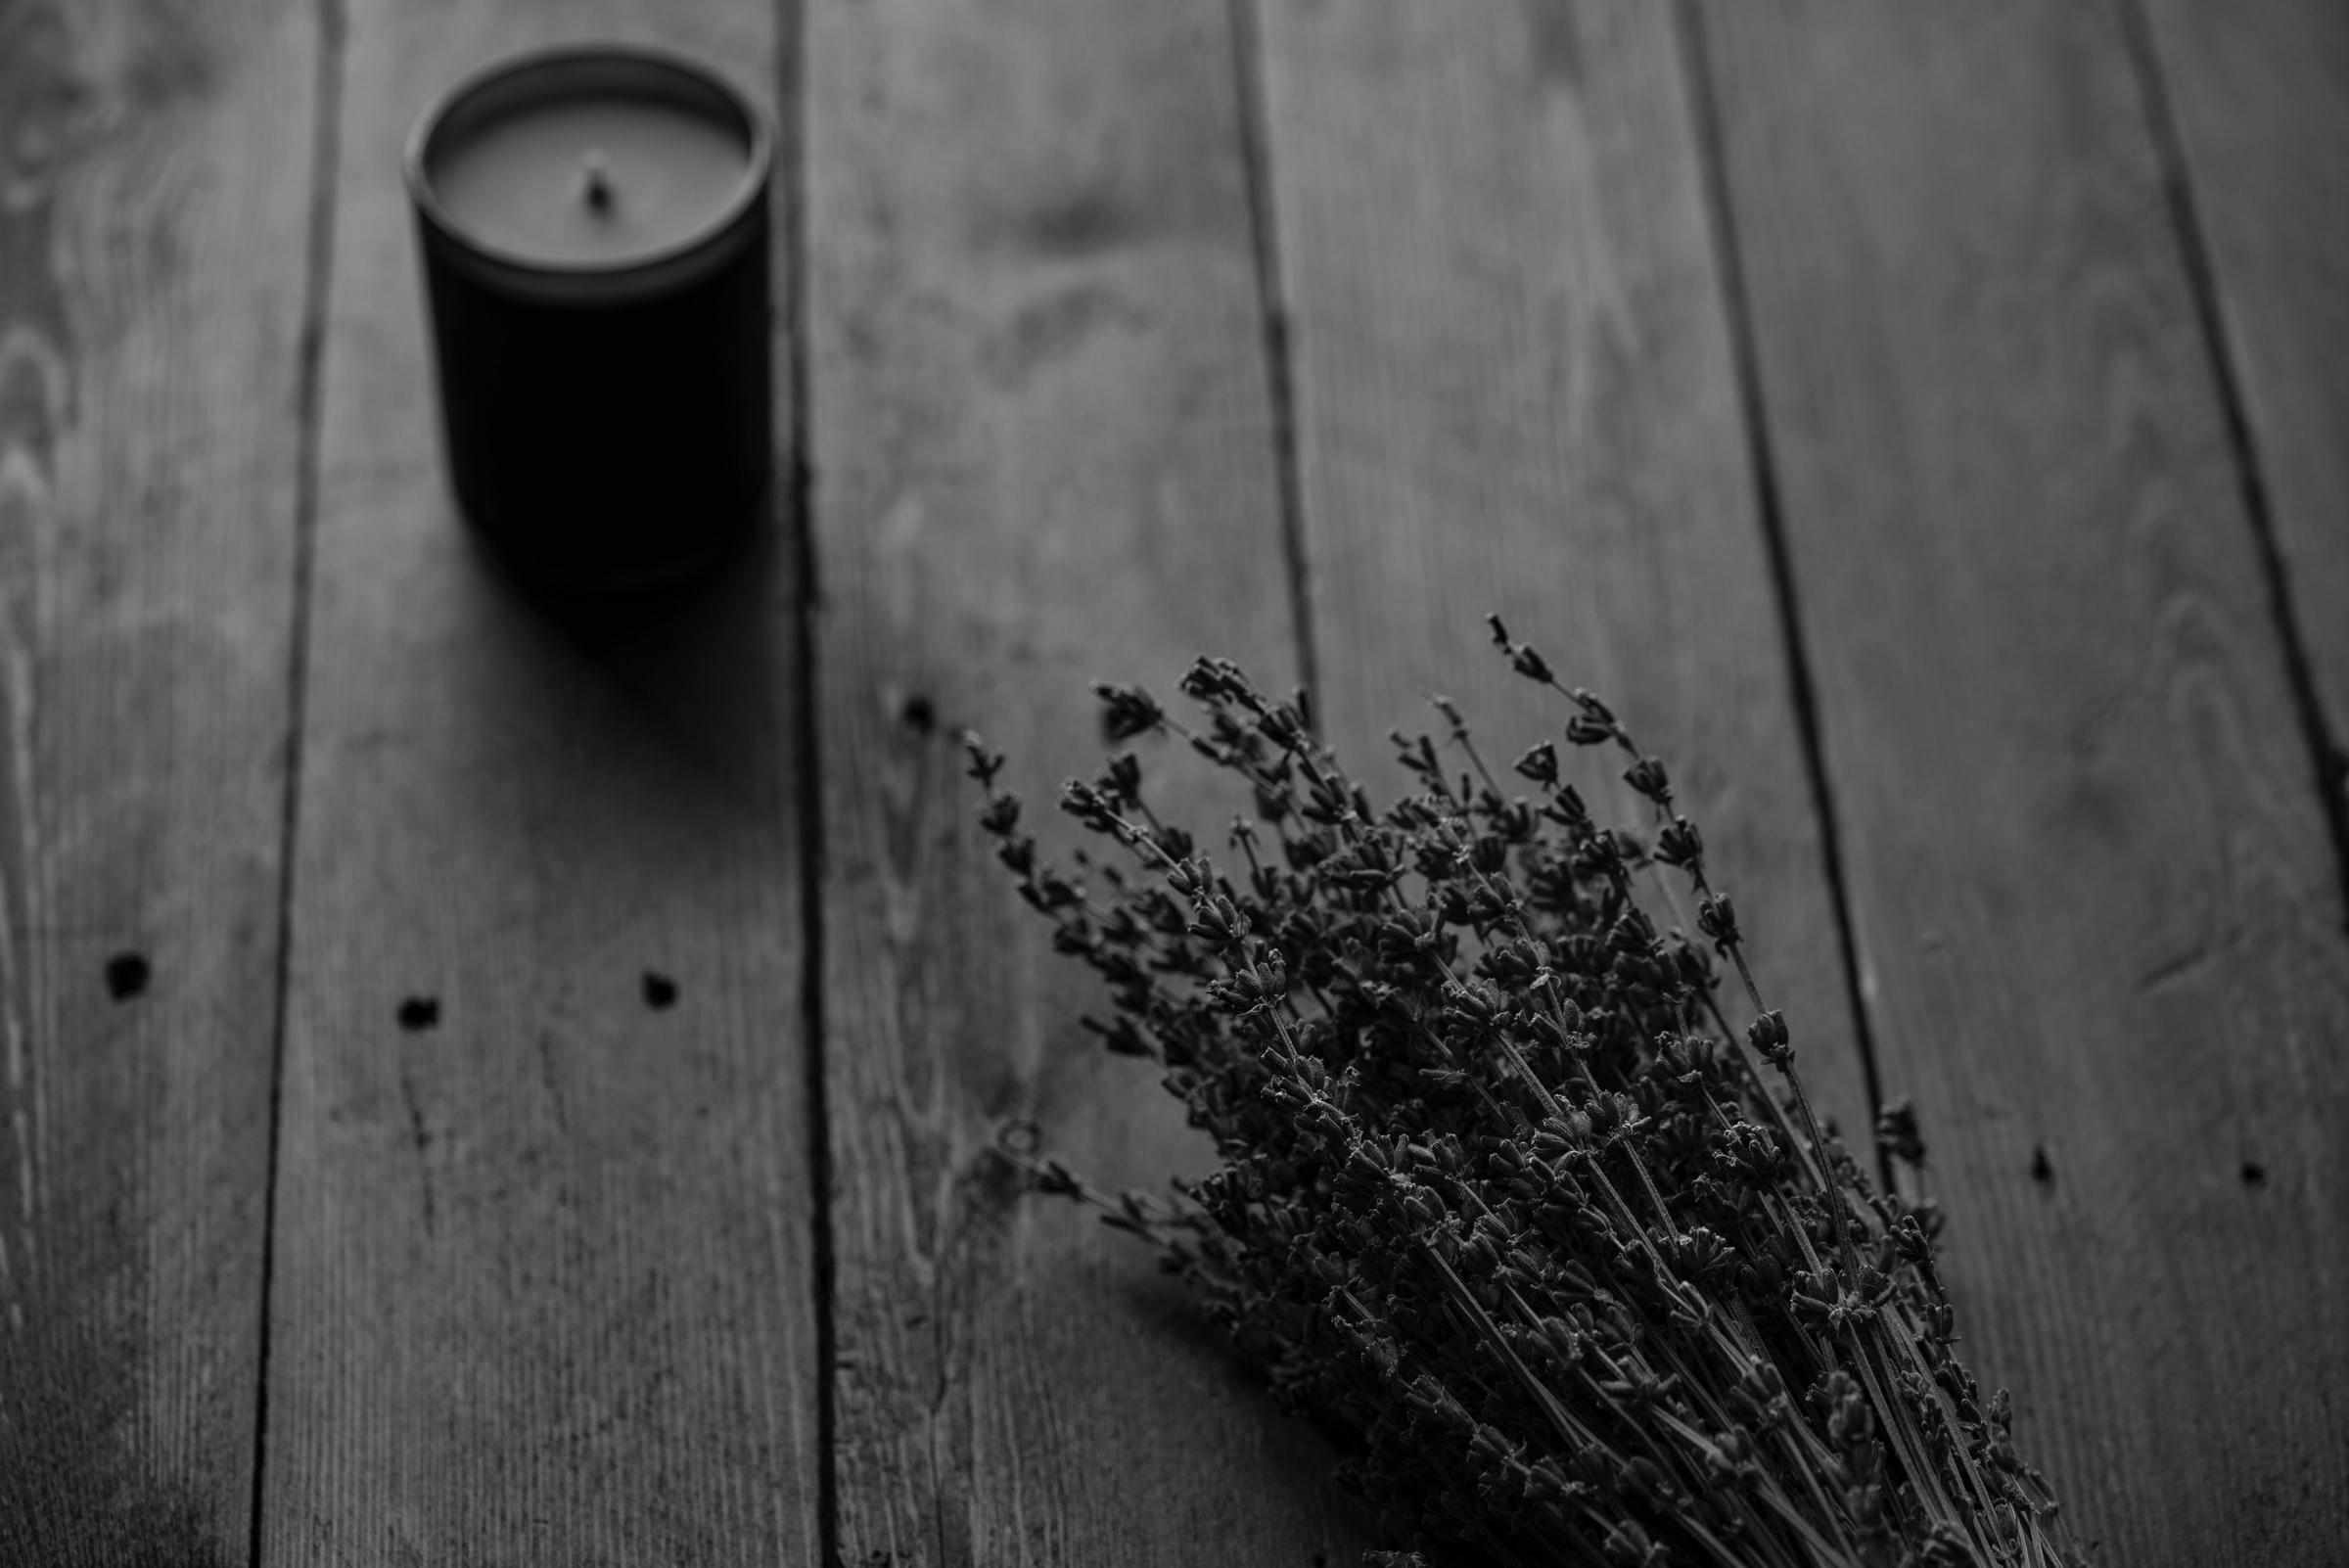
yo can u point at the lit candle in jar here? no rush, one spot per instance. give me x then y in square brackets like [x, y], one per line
[594, 233]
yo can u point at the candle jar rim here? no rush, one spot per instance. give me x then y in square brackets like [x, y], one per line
[643, 66]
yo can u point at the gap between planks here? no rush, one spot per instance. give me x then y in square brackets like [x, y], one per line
[1722, 226]
[2326, 757]
[797, 475]
[325, 158]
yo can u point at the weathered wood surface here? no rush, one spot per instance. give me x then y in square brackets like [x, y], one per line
[155, 181]
[1042, 455]
[548, 1279]
[2258, 93]
[1515, 392]
[544, 1284]
[2090, 882]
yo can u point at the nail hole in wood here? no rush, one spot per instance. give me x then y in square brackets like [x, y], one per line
[660, 991]
[126, 975]
[2255, 1174]
[2043, 1171]
[920, 715]
[419, 1013]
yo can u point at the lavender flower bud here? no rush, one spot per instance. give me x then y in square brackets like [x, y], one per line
[1127, 711]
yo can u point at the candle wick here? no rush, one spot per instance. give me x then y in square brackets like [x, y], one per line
[595, 182]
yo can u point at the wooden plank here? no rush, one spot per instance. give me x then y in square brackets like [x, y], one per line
[1042, 455]
[544, 1286]
[2089, 877]
[155, 187]
[2260, 96]
[1516, 393]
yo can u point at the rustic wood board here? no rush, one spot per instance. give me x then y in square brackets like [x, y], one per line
[154, 186]
[1516, 392]
[2258, 94]
[2090, 882]
[1042, 455]
[544, 1279]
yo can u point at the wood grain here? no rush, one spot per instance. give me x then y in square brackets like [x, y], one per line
[1516, 393]
[2260, 94]
[1042, 455]
[155, 187]
[2089, 876]
[544, 1287]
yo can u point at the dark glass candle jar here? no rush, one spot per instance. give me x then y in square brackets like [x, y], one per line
[594, 233]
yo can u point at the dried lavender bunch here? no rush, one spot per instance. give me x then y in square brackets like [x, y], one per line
[1503, 1196]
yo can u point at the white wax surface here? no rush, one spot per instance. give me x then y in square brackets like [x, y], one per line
[517, 183]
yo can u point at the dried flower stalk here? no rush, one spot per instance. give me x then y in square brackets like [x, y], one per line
[1504, 1198]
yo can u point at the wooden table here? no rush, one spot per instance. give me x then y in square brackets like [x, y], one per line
[480, 1092]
